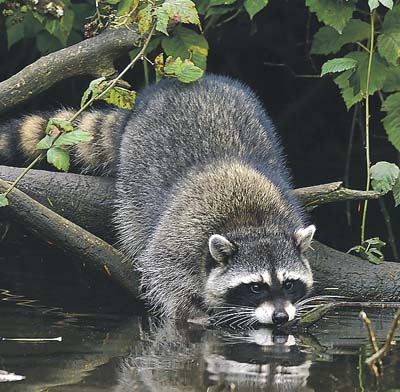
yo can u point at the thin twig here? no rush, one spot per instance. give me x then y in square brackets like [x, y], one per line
[383, 351]
[367, 150]
[346, 177]
[389, 228]
[376, 369]
[292, 71]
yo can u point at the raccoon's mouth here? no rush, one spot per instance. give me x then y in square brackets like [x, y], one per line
[245, 317]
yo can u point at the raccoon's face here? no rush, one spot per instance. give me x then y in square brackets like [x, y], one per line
[257, 277]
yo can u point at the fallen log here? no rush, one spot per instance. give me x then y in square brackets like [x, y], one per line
[85, 200]
[53, 228]
[77, 196]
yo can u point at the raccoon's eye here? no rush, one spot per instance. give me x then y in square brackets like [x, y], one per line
[256, 288]
[288, 285]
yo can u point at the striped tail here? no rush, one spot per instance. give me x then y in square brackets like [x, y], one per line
[19, 137]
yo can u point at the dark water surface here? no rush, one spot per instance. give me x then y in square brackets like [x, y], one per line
[105, 352]
[107, 347]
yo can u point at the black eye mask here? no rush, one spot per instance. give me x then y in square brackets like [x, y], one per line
[252, 294]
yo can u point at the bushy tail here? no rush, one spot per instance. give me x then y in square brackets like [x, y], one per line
[19, 137]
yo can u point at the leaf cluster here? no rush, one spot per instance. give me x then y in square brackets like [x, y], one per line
[350, 36]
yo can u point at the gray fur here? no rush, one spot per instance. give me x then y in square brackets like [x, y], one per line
[198, 160]
[195, 160]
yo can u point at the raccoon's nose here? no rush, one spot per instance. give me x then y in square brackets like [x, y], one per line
[279, 317]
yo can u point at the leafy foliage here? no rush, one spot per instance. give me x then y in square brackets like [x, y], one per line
[391, 122]
[3, 200]
[384, 175]
[338, 65]
[370, 250]
[327, 40]
[59, 158]
[385, 178]
[254, 6]
[185, 70]
[385, 68]
[186, 44]
[334, 13]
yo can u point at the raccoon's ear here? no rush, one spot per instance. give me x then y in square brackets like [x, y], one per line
[303, 237]
[220, 248]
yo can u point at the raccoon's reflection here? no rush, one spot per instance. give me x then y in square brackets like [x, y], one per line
[193, 359]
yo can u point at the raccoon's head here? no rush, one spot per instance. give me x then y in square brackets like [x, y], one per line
[257, 276]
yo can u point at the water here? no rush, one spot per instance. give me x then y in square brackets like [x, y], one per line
[107, 352]
[111, 345]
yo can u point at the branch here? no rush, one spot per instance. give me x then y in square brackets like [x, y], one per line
[52, 227]
[93, 56]
[316, 195]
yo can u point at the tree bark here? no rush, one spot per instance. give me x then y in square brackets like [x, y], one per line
[93, 56]
[51, 227]
[351, 276]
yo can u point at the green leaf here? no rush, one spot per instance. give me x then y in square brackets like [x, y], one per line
[392, 81]
[189, 72]
[96, 86]
[61, 28]
[358, 80]
[254, 6]
[220, 2]
[185, 71]
[391, 121]
[15, 31]
[373, 4]
[186, 44]
[120, 97]
[396, 192]
[370, 250]
[334, 13]
[58, 158]
[178, 11]
[74, 137]
[46, 43]
[387, 3]
[127, 6]
[3, 200]
[347, 92]
[391, 22]
[354, 31]
[338, 65]
[60, 124]
[45, 143]
[389, 46]
[327, 40]
[384, 175]
[145, 19]
[389, 39]
[220, 10]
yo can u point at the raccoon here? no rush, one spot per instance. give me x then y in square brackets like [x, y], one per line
[204, 204]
